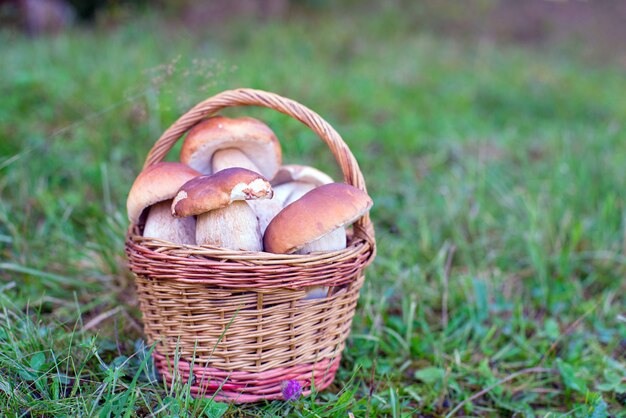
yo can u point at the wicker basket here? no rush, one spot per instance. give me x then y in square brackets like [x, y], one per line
[235, 322]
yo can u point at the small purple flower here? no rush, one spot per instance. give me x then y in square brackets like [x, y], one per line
[292, 390]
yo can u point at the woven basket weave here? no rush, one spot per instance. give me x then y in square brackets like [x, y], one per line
[235, 322]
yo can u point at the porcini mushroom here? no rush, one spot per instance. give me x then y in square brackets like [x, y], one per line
[220, 142]
[316, 222]
[294, 181]
[151, 197]
[265, 210]
[311, 222]
[301, 173]
[224, 219]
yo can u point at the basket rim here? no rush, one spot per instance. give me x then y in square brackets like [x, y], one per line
[253, 257]
[245, 270]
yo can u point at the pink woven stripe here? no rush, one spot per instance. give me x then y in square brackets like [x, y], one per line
[244, 387]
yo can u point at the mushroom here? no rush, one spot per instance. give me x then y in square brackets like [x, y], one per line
[316, 222]
[220, 142]
[294, 181]
[300, 173]
[224, 219]
[311, 222]
[150, 198]
[265, 210]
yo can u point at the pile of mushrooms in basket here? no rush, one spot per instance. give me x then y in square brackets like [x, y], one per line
[230, 190]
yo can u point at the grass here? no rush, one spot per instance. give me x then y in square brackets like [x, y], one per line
[497, 175]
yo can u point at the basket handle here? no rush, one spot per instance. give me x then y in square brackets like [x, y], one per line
[363, 227]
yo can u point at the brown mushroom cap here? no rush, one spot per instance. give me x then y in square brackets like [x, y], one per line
[155, 184]
[314, 215]
[300, 173]
[254, 138]
[205, 193]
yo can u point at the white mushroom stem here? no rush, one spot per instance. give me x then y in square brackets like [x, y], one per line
[316, 292]
[333, 241]
[292, 191]
[284, 194]
[265, 210]
[162, 225]
[234, 227]
[232, 157]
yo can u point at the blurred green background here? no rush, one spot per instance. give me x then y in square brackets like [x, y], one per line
[490, 133]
